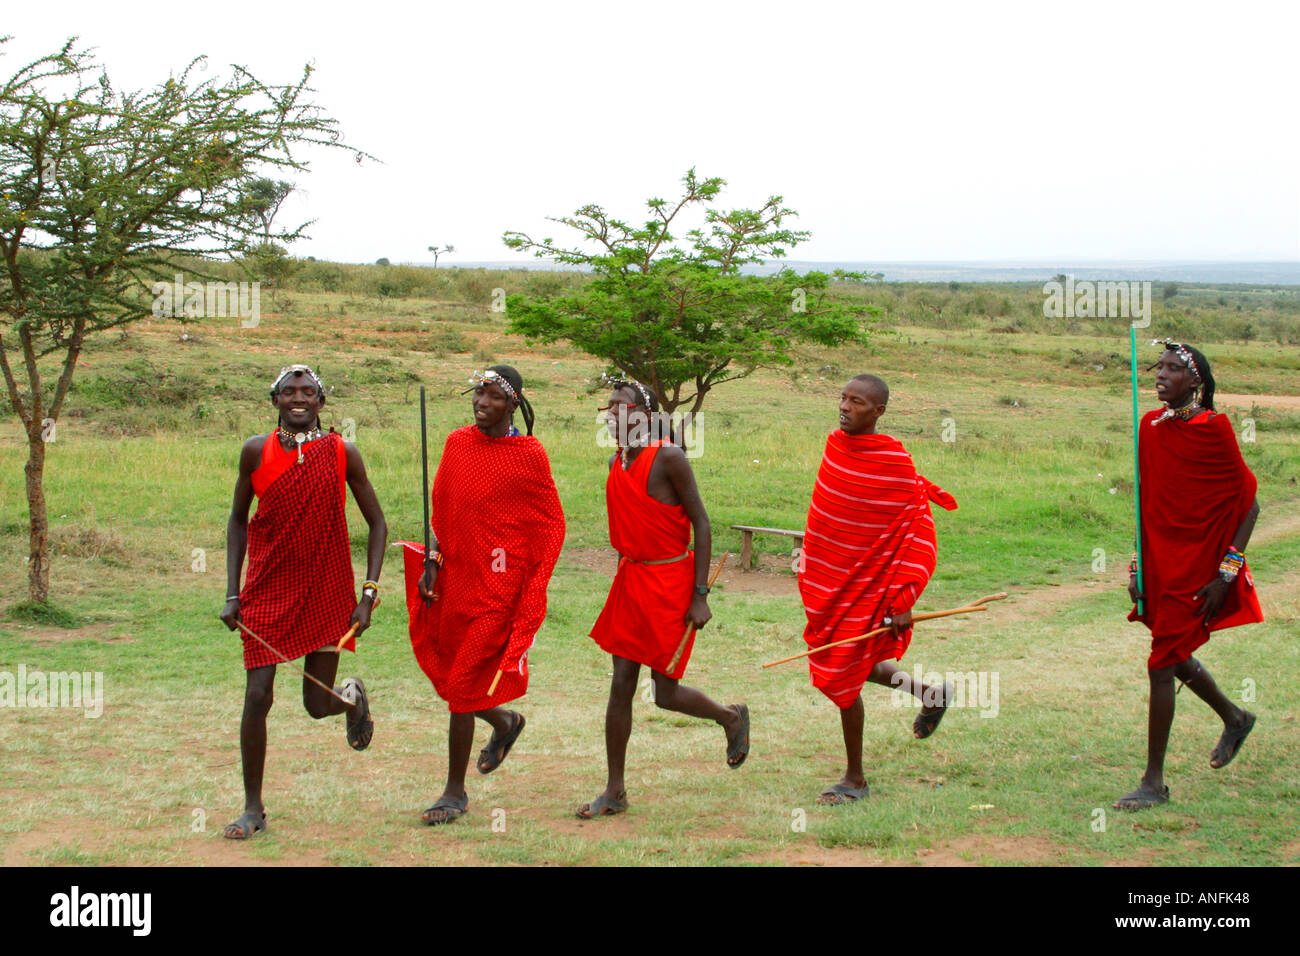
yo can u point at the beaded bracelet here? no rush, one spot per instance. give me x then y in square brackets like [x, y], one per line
[1231, 565]
[437, 559]
[1133, 564]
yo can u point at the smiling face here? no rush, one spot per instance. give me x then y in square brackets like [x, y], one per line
[861, 404]
[1175, 382]
[492, 408]
[299, 402]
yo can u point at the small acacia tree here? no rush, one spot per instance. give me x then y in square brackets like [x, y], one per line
[682, 317]
[99, 191]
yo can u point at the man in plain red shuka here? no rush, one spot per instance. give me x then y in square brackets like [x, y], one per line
[660, 586]
[477, 601]
[868, 552]
[1198, 510]
[298, 594]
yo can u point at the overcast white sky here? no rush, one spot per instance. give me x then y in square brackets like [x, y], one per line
[898, 131]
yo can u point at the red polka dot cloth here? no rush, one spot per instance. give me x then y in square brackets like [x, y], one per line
[498, 521]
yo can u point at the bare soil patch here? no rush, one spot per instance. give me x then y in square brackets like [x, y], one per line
[1291, 402]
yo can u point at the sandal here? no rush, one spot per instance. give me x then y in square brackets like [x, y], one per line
[494, 754]
[602, 806]
[1225, 751]
[926, 724]
[246, 827]
[1141, 799]
[361, 729]
[738, 743]
[448, 809]
[841, 794]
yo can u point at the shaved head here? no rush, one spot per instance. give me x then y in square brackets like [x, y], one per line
[876, 385]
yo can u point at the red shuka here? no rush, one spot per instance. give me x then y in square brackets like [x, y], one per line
[499, 524]
[645, 614]
[868, 551]
[299, 593]
[1195, 491]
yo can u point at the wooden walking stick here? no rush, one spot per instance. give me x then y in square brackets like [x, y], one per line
[315, 680]
[980, 605]
[681, 647]
[352, 631]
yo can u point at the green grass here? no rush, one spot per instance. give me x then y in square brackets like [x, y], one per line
[139, 481]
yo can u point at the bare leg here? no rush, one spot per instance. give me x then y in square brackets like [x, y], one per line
[672, 695]
[460, 740]
[1200, 683]
[501, 720]
[851, 721]
[258, 697]
[1151, 789]
[506, 726]
[1237, 722]
[454, 799]
[322, 665]
[618, 724]
[888, 674]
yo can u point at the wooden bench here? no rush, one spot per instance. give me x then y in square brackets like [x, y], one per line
[747, 540]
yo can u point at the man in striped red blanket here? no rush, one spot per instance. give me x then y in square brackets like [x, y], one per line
[868, 552]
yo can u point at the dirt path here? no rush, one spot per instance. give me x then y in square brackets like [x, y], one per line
[1290, 402]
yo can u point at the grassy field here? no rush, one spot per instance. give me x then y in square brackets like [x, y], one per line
[139, 482]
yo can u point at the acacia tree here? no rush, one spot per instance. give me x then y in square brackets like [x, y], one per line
[680, 316]
[440, 252]
[99, 192]
[264, 197]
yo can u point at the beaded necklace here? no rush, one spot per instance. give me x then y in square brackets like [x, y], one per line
[300, 437]
[1186, 413]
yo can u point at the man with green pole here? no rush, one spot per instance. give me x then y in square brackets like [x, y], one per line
[1196, 509]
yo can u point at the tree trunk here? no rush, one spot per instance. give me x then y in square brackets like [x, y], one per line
[38, 569]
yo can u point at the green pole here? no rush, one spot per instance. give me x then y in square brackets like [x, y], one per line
[1137, 480]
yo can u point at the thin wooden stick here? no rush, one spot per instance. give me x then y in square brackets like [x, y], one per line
[353, 629]
[980, 605]
[492, 690]
[315, 680]
[672, 666]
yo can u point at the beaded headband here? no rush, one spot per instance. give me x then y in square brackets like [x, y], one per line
[494, 378]
[627, 383]
[297, 369]
[1181, 351]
